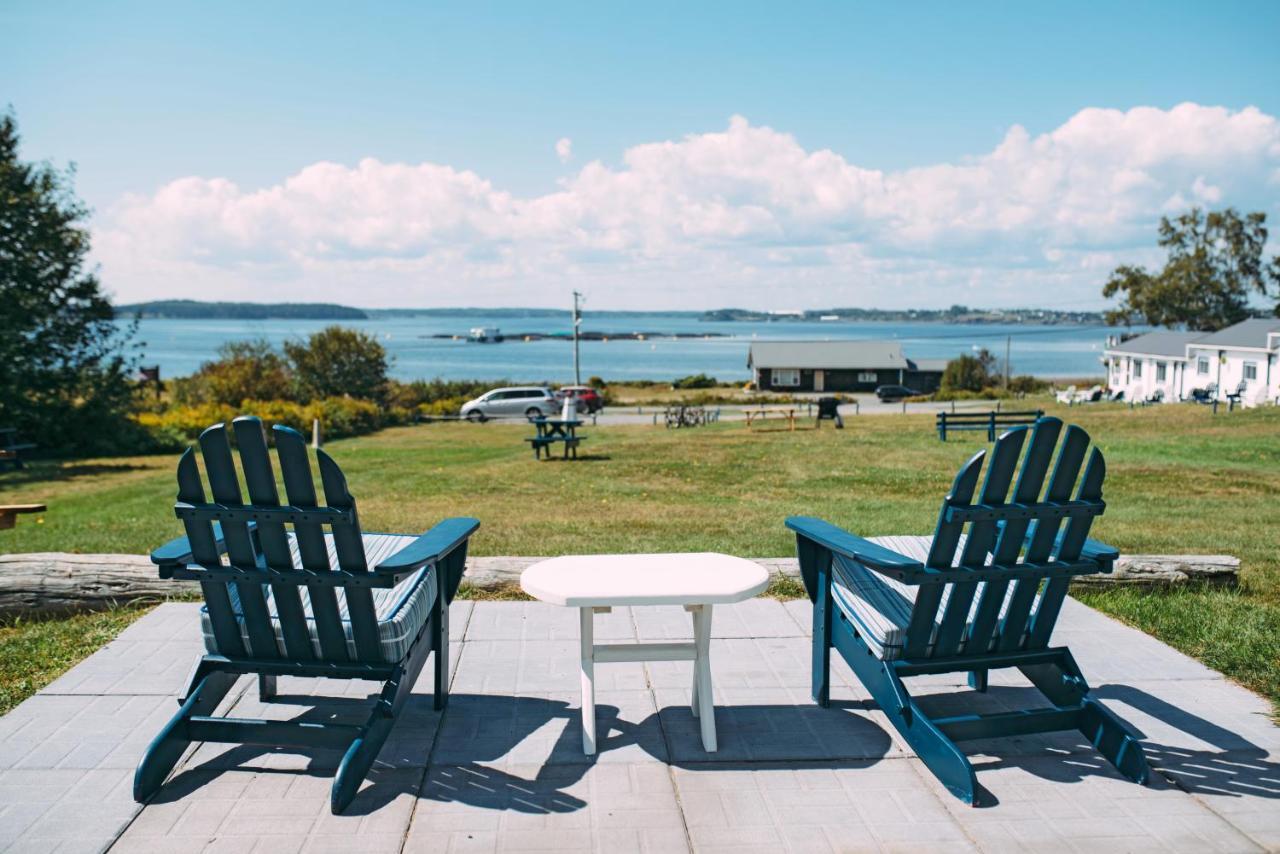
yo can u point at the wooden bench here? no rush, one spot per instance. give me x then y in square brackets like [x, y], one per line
[988, 421]
[9, 513]
[542, 444]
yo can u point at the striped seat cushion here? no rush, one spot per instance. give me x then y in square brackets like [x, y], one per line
[401, 611]
[880, 607]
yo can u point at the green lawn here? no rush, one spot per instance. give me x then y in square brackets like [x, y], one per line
[1181, 480]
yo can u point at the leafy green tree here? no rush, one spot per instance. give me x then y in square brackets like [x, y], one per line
[1215, 264]
[244, 370]
[64, 373]
[969, 373]
[338, 361]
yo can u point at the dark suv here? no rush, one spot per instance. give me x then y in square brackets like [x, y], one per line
[890, 393]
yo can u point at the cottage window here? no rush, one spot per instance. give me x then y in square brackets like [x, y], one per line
[1202, 365]
[867, 376]
[1250, 370]
[1137, 369]
[786, 376]
[1159, 372]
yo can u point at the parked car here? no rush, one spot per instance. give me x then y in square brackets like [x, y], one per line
[890, 393]
[587, 398]
[526, 401]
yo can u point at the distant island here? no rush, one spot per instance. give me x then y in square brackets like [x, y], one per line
[186, 309]
[954, 314]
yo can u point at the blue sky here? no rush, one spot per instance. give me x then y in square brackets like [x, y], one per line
[247, 97]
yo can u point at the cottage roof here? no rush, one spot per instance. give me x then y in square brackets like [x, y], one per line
[827, 355]
[1246, 333]
[1162, 343]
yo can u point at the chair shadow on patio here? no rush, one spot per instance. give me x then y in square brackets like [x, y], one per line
[1236, 768]
[472, 752]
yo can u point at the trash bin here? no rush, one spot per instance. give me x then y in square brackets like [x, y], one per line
[829, 407]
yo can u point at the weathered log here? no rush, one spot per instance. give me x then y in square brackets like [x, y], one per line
[47, 583]
[1167, 569]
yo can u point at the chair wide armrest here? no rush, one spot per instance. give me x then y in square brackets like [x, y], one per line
[177, 552]
[1104, 554]
[431, 547]
[864, 551]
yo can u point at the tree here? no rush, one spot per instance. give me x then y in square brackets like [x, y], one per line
[337, 361]
[1214, 265]
[244, 370]
[64, 376]
[969, 373]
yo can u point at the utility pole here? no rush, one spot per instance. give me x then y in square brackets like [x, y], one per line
[1008, 345]
[577, 325]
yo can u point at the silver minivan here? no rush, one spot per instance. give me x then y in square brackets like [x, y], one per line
[518, 402]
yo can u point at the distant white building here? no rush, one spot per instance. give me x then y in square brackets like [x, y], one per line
[1171, 364]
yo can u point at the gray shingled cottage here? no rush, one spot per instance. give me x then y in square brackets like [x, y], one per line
[839, 366]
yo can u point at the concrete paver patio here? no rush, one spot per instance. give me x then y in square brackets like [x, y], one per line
[502, 769]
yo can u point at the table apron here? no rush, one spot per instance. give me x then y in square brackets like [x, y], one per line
[603, 653]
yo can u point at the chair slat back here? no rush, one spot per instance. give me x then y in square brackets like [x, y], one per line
[295, 468]
[1014, 536]
[267, 546]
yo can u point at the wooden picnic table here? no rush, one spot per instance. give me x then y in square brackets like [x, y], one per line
[9, 513]
[552, 430]
[11, 449]
[761, 414]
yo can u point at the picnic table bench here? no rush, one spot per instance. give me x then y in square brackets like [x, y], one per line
[553, 430]
[988, 421]
[762, 414]
[9, 513]
[11, 449]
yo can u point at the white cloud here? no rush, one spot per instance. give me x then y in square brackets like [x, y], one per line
[741, 216]
[564, 149]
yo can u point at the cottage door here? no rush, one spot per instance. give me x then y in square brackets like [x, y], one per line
[819, 380]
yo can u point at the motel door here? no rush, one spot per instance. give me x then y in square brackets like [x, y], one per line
[819, 380]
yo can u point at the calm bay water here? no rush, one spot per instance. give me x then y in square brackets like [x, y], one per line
[179, 346]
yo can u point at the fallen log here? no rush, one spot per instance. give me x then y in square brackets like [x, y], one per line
[51, 583]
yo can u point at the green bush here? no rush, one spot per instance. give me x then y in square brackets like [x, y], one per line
[339, 417]
[695, 381]
[338, 361]
[968, 373]
[244, 370]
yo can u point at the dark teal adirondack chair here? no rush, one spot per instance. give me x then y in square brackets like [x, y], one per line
[972, 601]
[295, 599]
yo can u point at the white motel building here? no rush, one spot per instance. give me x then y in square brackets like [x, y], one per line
[1169, 365]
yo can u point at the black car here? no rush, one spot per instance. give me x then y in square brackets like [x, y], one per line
[889, 393]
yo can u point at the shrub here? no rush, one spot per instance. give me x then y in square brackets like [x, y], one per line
[244, 370]
[338, 361]
[968, 373]
[339, 417]
[695, 381]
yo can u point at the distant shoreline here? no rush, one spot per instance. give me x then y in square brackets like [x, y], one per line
[955, 315]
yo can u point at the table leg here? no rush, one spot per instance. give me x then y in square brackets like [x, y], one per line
[702, 669]
[587, 616]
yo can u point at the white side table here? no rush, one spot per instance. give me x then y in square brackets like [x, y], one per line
[595, 583]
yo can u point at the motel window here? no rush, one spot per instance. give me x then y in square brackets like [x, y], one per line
[1159, 372]
[786, 376]
[1137, 368]
[867, 376]
[1202, 365]
[1250, 370]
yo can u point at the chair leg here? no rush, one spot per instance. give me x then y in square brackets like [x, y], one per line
[822, 640]
[358, 760]
[1108, 734]
[202, 698]
[939, 753]
[978, 680]
[440, 646]
[266, 687]
[1064, 685]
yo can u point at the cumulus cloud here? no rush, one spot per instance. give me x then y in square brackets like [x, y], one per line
[745, 215]
[564, 149]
